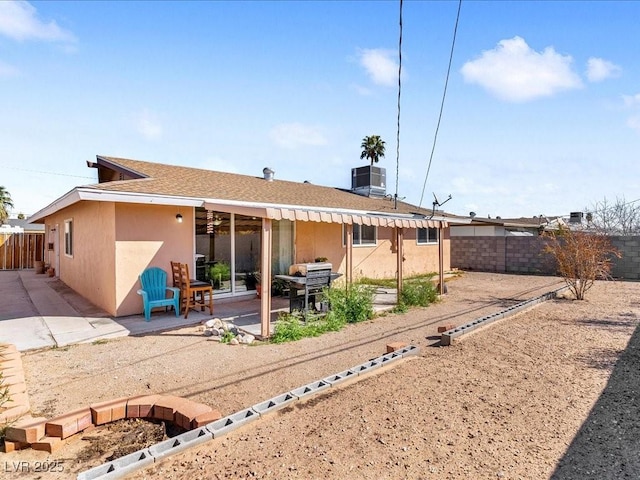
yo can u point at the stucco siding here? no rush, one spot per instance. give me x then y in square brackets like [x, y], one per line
[148, 236]
[91, 269]
[376, 261]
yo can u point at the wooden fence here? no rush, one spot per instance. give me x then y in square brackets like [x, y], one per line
[21, 250]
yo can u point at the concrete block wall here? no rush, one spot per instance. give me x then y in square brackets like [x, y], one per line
[501, 255]
[526, 255]
[627, 267]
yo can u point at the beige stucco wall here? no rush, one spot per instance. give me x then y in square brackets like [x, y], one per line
[91, 269]
[314, 240]
[148, 236]
[114, 243]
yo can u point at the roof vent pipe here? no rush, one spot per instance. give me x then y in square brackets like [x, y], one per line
[268, 174]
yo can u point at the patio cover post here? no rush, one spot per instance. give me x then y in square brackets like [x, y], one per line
[399, 259]
[349, 254]
[265, 282]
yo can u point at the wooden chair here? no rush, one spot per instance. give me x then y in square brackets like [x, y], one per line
[154, 292]
[193, 292]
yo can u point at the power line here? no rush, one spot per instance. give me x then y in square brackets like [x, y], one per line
[46, 173]
[395, 198]
[444, 95]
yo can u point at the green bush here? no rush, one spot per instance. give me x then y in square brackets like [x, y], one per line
[218, 273]
[352, 304]
[291, 326]
[419, 293]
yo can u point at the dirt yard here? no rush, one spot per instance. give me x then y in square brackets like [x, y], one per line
[549, 393]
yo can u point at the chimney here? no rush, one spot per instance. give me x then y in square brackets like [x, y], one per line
[268, 174]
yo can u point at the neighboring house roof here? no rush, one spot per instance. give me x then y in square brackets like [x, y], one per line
[16, 225]
[180, 185]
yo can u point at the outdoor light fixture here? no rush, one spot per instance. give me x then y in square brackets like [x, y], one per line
[217, 221]
[179, 218]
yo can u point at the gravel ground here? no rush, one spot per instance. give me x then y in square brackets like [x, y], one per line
[549, 393]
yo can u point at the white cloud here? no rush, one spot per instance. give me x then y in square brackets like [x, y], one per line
[634, 123]
[148, 125]
[380, 65]
[19, 21]
[294, 135]
[599, 69]
[7, 70]
[515, 72]
[631, 100]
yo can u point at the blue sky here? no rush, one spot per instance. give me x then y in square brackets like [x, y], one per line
[542, 114]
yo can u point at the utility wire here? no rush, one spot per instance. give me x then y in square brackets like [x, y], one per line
[395, 197]
[444, 95]
[47, 173]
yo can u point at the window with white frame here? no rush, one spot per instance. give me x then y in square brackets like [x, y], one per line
[362, 234]
[68, 237]
[427, 235]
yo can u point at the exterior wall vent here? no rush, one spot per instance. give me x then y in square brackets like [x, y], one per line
[369, 181]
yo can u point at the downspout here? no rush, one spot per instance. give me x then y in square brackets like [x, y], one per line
[441, 258]
[349, 254]
[399, 260]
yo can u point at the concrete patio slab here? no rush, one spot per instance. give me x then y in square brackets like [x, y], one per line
[37, 311]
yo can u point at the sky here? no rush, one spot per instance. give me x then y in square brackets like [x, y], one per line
[541, 114]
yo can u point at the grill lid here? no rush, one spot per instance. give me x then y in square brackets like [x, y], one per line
[301, 269]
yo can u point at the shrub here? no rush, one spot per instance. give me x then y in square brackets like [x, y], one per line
[582, 258]
[220, 272]
[352, 304]
[420, 293]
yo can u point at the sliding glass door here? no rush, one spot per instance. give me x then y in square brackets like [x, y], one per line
[228, 250]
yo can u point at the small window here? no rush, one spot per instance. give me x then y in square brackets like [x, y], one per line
[362, 234]
[427, 235]
[68, 237]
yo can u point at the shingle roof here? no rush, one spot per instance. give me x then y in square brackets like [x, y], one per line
[179, 181]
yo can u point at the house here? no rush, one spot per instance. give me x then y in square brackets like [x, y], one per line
[504, 227]
[225, 227]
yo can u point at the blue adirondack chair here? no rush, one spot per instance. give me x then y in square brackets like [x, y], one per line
[154, 291]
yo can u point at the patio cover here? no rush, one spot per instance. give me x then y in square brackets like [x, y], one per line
[325, 215]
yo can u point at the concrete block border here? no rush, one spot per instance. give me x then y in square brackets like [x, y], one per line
[142, 458]
[447, 337]
[119, 467]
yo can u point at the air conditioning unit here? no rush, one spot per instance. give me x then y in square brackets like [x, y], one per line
[369, 181]
[575, 217]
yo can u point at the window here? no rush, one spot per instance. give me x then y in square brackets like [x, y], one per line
[68, 237]
[427, 235]
[362, 234]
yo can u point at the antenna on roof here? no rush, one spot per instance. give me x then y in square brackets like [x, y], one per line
[437, 203]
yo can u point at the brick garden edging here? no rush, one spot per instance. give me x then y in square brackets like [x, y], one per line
[25, 431]
[13, 379]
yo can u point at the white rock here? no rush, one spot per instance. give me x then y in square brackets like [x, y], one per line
[210, 323]
[234, 341]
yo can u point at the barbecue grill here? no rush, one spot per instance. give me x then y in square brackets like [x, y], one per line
[306, 281]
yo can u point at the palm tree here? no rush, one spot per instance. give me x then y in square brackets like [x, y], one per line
[372, 148]
[5, 203]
